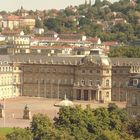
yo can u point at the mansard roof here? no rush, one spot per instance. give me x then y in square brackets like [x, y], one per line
[5, 60]
[69, 59]
[32, 58]
[118, 61]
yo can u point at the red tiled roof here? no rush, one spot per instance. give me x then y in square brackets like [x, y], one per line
[8, 31]
[110, 43]
[44, 38]
[93, 40]
[57, 40]
[51, 32]
[13, 17]
[38, 47]
[53, 47]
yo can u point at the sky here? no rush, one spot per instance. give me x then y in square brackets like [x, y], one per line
[12, 5]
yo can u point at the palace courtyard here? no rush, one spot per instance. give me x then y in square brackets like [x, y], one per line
[14, 109]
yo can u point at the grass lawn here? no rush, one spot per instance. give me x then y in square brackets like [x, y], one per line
[6, 130]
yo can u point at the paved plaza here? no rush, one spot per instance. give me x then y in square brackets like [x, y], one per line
[14, 109]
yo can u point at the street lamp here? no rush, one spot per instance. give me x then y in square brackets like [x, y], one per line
[38, 88]
[119, 91]
[58, 89]
[4, 112]
[51, 87]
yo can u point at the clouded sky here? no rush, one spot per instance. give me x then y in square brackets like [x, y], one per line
[12, 5]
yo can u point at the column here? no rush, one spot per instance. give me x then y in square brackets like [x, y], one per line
[74, 94]
[97, 95]
[89, 95]
[82, 94]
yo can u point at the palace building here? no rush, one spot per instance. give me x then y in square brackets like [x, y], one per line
[92, 77]
[133, 96]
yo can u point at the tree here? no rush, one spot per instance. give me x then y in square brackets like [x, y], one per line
[102, 117]
[78, 122]
[43, 129]
[98, 3]
[134, 127]
[118, 118]
[109, 135]
[83, 21]
[38, 23]
[40, 125]
[26, 30]
[20, 134]
[54, 24]
[75, 123]
[125, 52]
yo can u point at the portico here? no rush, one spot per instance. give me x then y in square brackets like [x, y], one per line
[87, 94]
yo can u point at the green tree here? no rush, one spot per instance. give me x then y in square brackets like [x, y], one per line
[102, 117]
[78, 122]
[109, 135]
[38, 23]
[40, 124]
[43, 129]
[54, 24]
[26, 30]
[20, 134]
[134, 127]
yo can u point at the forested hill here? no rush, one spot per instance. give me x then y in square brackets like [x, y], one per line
[110, 21]
[118, 21]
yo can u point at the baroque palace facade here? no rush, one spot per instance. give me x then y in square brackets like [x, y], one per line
[92, 77]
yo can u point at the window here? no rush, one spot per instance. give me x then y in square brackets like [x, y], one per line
[134, 114]
[42, 81]
[82, 82]
[14, 79]
[114, 71]
[90, 71]
[83, 71]
[90, 83]
[72, 81]
[107, 83]
[54, 70]
[107, 94]
[126, 83]
[121, 71]
[135, 82]
[134, 99]
[20, 68]
[66, 81]
[98, 71]
[114, 84]
[48, 70]
[107, 71]
[98, 82]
